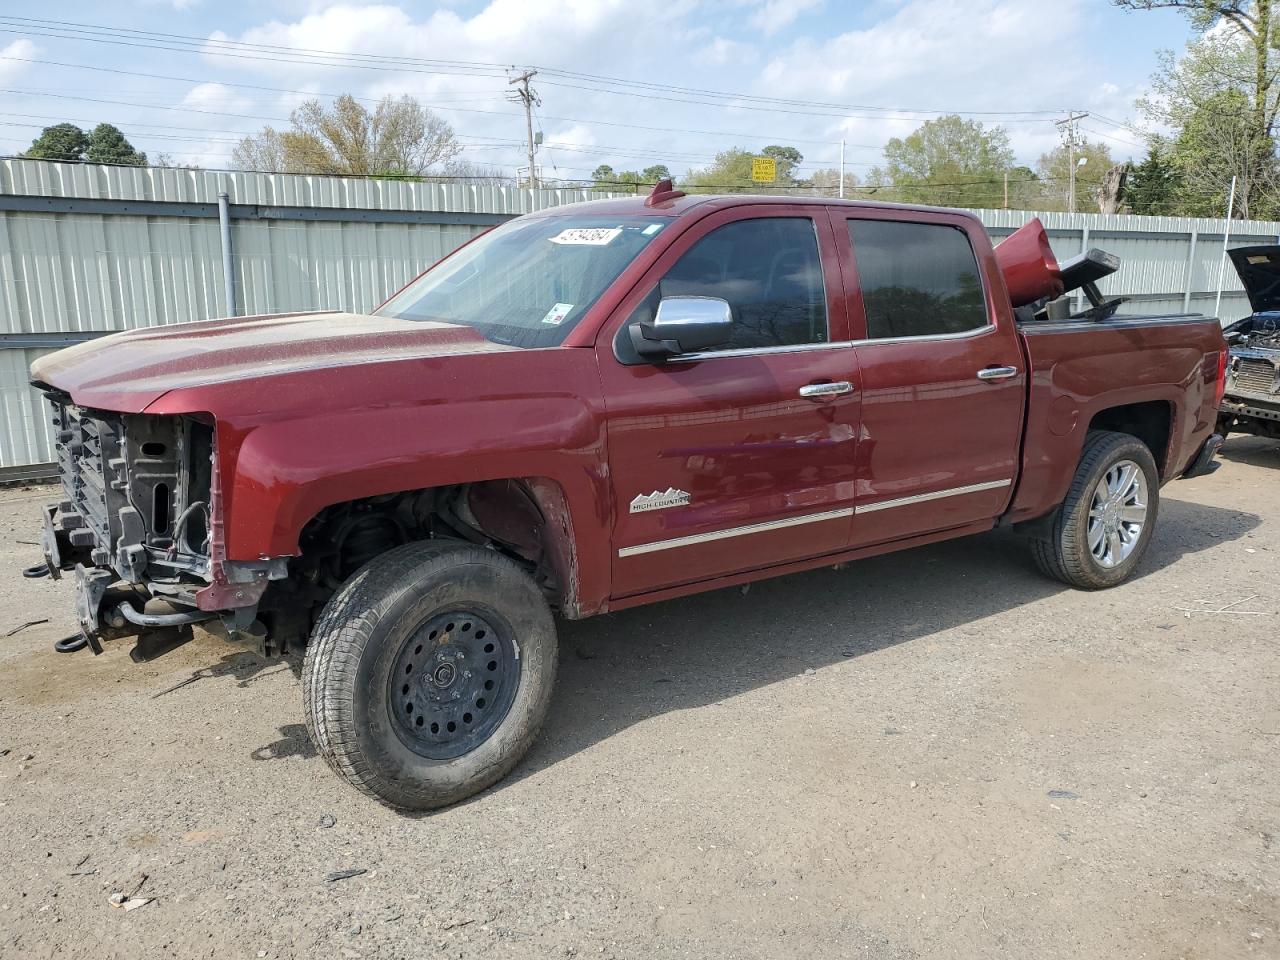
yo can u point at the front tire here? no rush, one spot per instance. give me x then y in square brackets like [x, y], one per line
[1098, 535]
[429, 673]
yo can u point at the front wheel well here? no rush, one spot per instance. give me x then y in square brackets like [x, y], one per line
[1150, 421]
[524, 518]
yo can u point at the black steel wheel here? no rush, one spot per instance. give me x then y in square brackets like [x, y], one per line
[453, 682]
[429, 673]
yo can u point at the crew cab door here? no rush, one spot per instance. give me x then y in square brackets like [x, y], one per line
[729, 459]
[943, 384]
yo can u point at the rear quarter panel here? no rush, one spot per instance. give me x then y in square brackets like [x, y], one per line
[1079, 369]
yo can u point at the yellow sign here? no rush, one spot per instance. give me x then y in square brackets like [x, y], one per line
[764, 169]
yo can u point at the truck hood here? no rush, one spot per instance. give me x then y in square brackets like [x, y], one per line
[1259, 269]
[128, 371]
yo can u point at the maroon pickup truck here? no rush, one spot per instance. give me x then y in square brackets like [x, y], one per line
[595, 407]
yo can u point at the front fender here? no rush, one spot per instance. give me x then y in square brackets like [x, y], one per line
[290, 447]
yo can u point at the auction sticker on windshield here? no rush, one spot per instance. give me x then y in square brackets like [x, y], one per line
[555, 316]
[587, 236]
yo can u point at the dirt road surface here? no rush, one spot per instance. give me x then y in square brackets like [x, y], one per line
[932, 754]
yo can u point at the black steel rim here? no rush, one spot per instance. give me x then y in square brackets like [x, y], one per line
[453, 682]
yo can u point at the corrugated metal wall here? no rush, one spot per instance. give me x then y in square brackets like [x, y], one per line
[85, 249]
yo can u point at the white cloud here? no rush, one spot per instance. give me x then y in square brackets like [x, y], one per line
[965, 56]
[217, 97]
[21, 49]
[775, 15]
[722, 52]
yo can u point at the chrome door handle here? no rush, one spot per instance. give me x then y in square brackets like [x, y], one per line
[812, 390]
[997, 373]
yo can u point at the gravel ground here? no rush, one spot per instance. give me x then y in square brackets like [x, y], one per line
[932, 754]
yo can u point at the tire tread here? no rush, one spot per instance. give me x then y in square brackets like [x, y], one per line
[1062, 555]
[335, 651]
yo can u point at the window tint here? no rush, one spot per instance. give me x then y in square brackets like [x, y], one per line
[917, 279]
[769, 272]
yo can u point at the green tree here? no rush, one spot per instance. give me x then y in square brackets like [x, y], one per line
[730, 172]
[1054, 172]
[826, 183]
[399, 137]
[108, 145]
[1218, 142]
[786, 160]
[1222, 96]
[1153, 184]
[606, 178]
[1250, 25]
[948, 161]
[1026, 192]
[63, 141]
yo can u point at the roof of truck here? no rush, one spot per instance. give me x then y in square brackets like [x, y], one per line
[677, 204]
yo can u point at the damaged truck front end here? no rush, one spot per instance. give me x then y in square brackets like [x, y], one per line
[1251, 403]
[137, 524]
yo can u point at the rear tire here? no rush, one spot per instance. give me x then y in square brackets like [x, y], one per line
[429, 674]
[1097, 536]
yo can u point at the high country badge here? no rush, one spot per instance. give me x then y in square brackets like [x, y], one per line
[659, 500]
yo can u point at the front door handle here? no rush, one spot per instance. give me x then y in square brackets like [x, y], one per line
[997, 373]
[813, 390]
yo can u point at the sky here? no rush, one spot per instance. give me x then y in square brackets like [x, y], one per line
[167, 74]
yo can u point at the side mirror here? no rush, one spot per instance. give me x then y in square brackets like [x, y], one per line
[683, 325]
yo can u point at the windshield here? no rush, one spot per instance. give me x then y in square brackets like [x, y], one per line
[528, 282]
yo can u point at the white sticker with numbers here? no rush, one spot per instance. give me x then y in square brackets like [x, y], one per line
[587, 236]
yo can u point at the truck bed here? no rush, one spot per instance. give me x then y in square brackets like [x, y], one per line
[1079, 368]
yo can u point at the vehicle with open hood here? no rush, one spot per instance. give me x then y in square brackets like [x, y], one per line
[1252, 397]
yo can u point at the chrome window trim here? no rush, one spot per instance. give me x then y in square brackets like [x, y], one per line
[743, 531]
[933, 495]
[837, 344]
[759, 351]
[962, 335]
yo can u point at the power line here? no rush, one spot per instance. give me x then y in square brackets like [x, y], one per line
[495, 113]
[598, 83]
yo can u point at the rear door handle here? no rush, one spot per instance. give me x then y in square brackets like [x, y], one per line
[812, 390]
[997, 373]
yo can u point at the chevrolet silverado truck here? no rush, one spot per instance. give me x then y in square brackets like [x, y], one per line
[1252, 400]
[594, 407]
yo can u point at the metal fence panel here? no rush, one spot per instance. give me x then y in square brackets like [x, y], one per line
[25, 431]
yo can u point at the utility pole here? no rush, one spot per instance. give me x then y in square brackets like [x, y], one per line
[841, 169]
[1226, 238]
[1006, 189]
[1071, 138]
[529, 98]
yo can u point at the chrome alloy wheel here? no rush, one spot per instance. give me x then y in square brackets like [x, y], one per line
[1117, 513]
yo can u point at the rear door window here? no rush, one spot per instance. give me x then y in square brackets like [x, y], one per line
[917, 279]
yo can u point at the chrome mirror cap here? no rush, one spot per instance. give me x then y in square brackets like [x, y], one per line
[683, 325]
